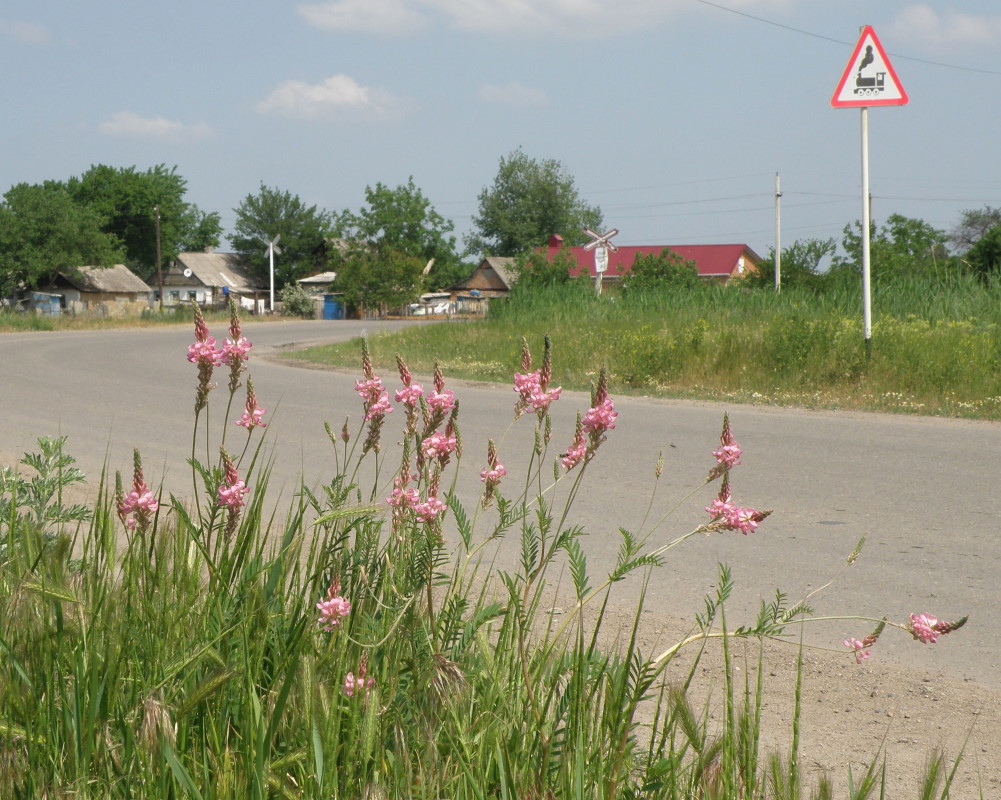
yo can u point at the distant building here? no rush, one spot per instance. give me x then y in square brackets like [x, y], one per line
[209, 279]
[716, 262]
[101, 291]
[493, 277]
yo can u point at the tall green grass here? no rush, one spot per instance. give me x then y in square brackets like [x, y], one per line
[176, 652]
[936, 345]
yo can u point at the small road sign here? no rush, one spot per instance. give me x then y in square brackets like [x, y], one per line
[601, 243]
[869, 79]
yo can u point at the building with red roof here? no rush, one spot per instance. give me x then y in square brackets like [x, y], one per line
[716, 262]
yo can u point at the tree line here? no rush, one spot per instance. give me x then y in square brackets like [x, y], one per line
[385, 253]
[396, 244]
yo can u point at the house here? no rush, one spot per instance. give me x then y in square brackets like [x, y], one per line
[493, 277]
[209, 279]
[716, 262]
[317, 284]
[102, 291]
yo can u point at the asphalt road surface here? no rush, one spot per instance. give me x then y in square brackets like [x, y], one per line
[924, 492]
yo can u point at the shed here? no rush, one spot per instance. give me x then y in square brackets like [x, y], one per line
[493, 277]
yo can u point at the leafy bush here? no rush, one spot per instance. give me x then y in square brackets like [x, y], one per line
[296, 303]
[658, 271]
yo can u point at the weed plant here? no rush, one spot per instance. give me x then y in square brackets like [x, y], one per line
[936, 345]
[211, 648]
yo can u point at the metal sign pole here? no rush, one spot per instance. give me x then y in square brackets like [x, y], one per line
[866, 225]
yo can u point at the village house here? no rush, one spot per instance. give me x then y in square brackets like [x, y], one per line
[210, 279]
[721, 263]
[101, 291]
[493, 277]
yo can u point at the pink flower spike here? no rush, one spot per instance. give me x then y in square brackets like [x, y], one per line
[442, 401]
[252, 415]
[235, 351]
[860, 653]
[334, 608]
[438, 444]
[923, 628]
[362, 684]
[729, 452]
[429, 510]
[409, 395]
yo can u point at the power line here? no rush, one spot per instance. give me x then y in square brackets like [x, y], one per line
[842, 41]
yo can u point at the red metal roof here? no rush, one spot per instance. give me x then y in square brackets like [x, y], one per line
[713, 260]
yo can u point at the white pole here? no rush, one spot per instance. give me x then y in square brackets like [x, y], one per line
[866, 223]
[778, 233]
[271, 261]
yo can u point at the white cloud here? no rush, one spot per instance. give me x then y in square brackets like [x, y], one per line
[922, 24]
[24, 31]
[128, 123]
[371, 16]
[512, 94]
[337, 93]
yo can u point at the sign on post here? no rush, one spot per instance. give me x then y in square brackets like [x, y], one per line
[601, 243]
[869, 79]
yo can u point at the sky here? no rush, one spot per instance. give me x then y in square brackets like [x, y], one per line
[673, 116]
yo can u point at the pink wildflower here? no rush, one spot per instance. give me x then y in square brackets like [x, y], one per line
[429, 510]
[235, 351]
[492, 475]
[136, 509]
[252, 414]
[378, 408]
[600, 418]
[727, 516]
[729, 452]
[409, 395]
[442, 401]
[860, 653]
[924, 628]
[401, 497]
[334, 608]
[370, 389]
[232, 489]
[361, 684]
[577, 451]
[438, 444]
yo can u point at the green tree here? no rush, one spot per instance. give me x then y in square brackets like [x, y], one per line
[535, 270]
[902, 246]
[127, 199]
[528, 202]
[44, 232]
[974, 224]
[984, 257]
[801, 263]
[403, 220]
[663, 270]
[378, 278]
[273, 212]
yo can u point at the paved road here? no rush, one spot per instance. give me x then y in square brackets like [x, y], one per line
[923, 491]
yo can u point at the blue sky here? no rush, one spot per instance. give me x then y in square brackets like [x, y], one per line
[672, 115]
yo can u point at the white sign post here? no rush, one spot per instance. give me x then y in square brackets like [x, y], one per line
[868, 80]
[273, 248]
[601, 244]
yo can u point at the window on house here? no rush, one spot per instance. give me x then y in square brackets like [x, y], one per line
[192, 295]
[175, 296]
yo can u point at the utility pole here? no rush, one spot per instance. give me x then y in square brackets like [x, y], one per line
[778, 233]
[159, 268]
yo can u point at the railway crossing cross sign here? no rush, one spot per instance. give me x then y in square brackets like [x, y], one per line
[601, 243]
[869, 79]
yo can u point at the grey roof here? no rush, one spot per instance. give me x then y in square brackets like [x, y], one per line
[502, 266]
[217, 270]
[118, 278]
[322, 279]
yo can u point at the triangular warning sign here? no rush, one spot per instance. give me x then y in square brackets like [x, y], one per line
[869, 78]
